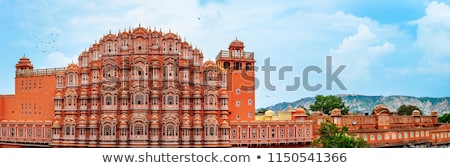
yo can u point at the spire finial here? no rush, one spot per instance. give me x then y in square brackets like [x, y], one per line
[109, 31]
[139, 24]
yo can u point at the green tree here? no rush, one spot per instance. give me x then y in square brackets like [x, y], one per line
[261, 110]
[444, 118]
[328, 103]
[332, 136]
[303, 107]
[407, 109]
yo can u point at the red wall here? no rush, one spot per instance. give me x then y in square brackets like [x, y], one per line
[7, 106]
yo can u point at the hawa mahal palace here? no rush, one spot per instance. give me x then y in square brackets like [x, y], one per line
[146, 88]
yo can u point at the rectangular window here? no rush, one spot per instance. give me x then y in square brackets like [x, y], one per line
[13, 132]
[299, 132]
[254, 133]
[48, 133]
[263, 133]
[233, 134]
[4, 132]
[29, 132]
[244, 134]
[38, 132]
[20, 132]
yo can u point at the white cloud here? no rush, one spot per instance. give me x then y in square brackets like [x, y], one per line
[433, 39]
[291, 33]
[358, 51]
[58, 59]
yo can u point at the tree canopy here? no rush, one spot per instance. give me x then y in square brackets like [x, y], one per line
[328, 103]
[261, 110]
[444, 118]
[407, 109]
[331, 136]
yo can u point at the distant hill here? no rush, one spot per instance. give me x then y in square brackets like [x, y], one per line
[365, 104]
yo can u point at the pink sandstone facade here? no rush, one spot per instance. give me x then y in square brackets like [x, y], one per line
[146, 88]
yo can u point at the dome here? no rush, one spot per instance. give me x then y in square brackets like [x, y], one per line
[185, 91]
[56, 124]
[416, 113]
[300, 111]
[434, 113]
[124, 92]
[94, 91]
[95, 65]
[124, 33]
[170, 35]
[123, 117]
[72, 67]
[154, 125]
[93, 121]
[223, 93]
[58, 95]
[336, 112]
[155, 93]
[197, 123]
[269, 113]
[197, 93]
[185, 117]
[154, 117]
[123, 123]
[379, 109]
[24, 62]
[60, 73]
[139, 31]
[83, 92]
[236, 44]
[82, 120]
[224, 123]
[196, 51]
[209, 63]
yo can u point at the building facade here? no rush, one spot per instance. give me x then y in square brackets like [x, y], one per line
[380, 129]
[146, 88]
[139, 87]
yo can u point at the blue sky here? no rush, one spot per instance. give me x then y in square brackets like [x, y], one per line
[388, 47]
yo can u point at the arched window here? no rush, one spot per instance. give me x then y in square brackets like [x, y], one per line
[139, 99]
[138, 129]
[69, 100]
[108, 100]
[67, 130]
[211, 100]
[211, 131]
[107, 130]
[248, 66]
[170, 130]
[237, 66]
[170, 100]
[70, 79]
[226, 65]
